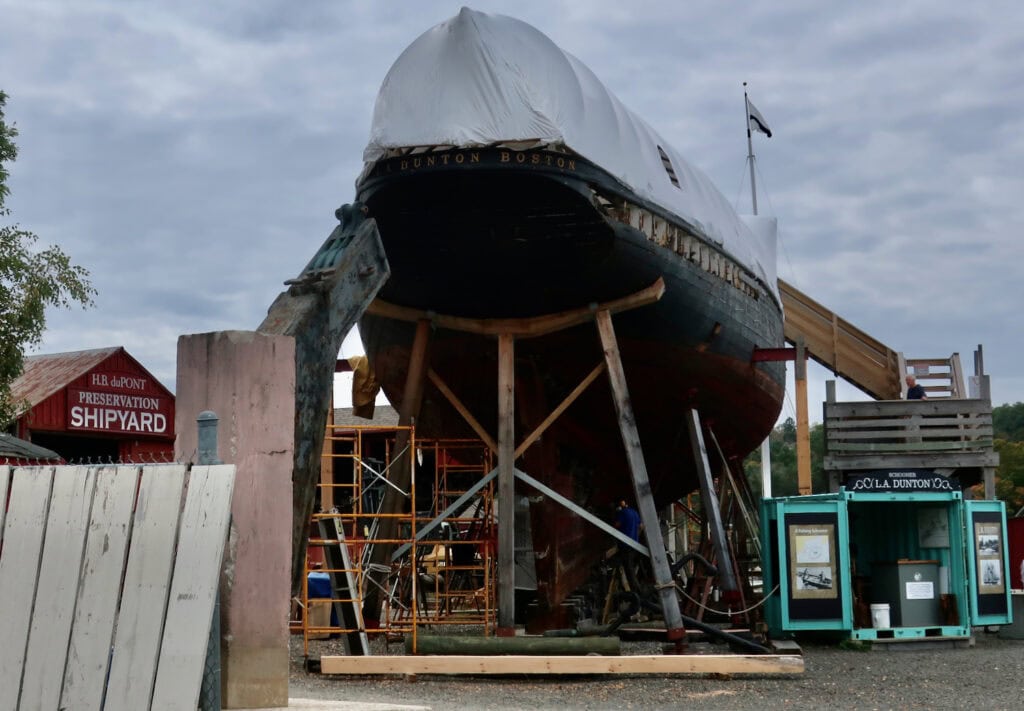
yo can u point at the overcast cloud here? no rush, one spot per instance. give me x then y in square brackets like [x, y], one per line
[191, 155]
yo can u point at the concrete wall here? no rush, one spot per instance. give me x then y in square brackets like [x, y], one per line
[248, 380]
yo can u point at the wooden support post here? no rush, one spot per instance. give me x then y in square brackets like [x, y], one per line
[834, 477]
[803, 436]
[989, 479]
[506, 485]
[712, 512]
[400, 472]
[641, 483]
[327, 463]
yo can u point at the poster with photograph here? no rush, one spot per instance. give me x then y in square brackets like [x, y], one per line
[812, 551]
[988, 549]
[933, 528]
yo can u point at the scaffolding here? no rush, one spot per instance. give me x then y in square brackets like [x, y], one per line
[443, 566]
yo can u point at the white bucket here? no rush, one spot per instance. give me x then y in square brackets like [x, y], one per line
[880, 616]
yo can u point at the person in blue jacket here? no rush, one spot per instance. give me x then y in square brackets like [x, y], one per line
[914, 391]
[627, 520]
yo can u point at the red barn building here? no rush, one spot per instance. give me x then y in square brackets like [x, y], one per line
[98, 405]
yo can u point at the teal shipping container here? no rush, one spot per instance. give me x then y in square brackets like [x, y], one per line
[891, 555]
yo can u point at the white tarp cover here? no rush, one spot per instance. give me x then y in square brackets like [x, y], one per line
[480, 79]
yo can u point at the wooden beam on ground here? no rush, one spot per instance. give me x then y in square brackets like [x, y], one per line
[520, 327]
[492, 646]
[539, 665]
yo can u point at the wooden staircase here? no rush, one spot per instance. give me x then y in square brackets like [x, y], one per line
[860, 359]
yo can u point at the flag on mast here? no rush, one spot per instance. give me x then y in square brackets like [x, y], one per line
[756, 120]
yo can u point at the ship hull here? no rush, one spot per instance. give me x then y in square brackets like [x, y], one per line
[510, 237]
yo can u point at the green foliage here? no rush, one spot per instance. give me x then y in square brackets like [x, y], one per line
[1008, 422]
[30, 281]
[1008, 426]
[1010, 475]
[783, 451]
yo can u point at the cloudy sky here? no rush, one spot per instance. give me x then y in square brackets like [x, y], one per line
[191, 154]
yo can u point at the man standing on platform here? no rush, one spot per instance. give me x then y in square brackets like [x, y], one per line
[914, 391]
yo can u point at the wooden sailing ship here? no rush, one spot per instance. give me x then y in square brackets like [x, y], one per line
[508, 183]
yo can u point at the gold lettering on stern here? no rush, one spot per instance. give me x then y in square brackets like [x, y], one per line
[533, 158]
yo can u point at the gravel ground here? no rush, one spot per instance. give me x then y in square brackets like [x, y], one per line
[989, 675]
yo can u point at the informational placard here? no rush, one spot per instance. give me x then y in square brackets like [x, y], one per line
[988, 547]
[922, 590]
[933, 527]
[812, 550]
[813, 572]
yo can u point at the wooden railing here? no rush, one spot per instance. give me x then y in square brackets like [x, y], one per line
[946, 433]
[839, 345]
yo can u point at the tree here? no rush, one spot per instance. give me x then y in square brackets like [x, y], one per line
[782, 448]
[1010, 475]
[1008, 422]
[30, 281]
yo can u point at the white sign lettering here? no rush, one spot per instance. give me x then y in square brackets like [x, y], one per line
[124, 420]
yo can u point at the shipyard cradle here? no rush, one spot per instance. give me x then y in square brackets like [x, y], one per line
[508, 182]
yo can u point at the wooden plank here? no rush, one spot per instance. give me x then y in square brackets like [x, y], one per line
[920, 431]
[896, 408]
[54, 610]
[105, 552]
[140, 619]
[950, 460]
[24, 529]
[197, 565]
[910, 446]
[639, 664]
[968, 421]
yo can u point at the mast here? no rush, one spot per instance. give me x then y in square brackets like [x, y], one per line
[750, 149]
[766, 447]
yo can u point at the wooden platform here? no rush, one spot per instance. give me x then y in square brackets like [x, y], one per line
[539, 665]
